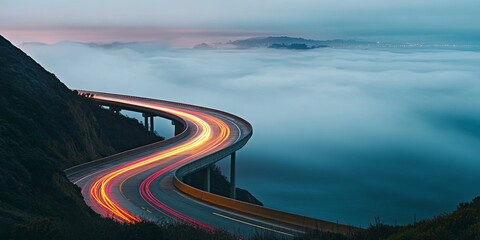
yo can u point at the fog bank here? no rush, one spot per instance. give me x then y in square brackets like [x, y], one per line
[341, 135]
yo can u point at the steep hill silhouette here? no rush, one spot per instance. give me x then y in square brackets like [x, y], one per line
[44, 128]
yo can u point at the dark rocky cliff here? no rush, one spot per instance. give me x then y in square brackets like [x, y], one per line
[44, 128]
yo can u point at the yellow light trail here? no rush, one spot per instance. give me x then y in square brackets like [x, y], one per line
[202, 142]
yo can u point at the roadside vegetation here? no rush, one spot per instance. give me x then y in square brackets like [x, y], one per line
[462, 224]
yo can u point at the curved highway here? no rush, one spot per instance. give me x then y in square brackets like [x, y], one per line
[138, 184]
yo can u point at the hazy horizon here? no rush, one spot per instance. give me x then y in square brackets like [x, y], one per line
[186, 22]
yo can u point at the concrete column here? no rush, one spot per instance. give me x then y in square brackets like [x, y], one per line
[232, 175]
[206, 183]
[152, 129]
[145, 120]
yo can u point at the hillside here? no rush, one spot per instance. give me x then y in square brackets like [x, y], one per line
[461, 224]
[44, 128]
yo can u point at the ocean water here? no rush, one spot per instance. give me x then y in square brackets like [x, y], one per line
[343, 135]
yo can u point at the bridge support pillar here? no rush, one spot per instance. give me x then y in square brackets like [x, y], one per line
[145, 120]
[232, 175]
[152, 129]
[206, 183]
[178, 127]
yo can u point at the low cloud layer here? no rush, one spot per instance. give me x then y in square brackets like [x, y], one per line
[341, 135]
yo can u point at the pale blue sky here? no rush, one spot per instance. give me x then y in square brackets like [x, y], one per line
[377, 19]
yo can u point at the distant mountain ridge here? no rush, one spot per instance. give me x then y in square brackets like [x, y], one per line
[268, 41]
[299, 43]
[283, 42]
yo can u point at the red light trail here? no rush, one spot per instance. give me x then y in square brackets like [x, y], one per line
[202, 142]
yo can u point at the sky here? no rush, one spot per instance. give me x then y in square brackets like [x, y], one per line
[186, 22]
[339, 134]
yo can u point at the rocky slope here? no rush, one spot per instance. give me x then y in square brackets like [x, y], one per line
[44, 128]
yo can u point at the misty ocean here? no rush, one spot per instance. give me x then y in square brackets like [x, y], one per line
[342, 135]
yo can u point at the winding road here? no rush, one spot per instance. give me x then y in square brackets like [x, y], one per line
[139, 184]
